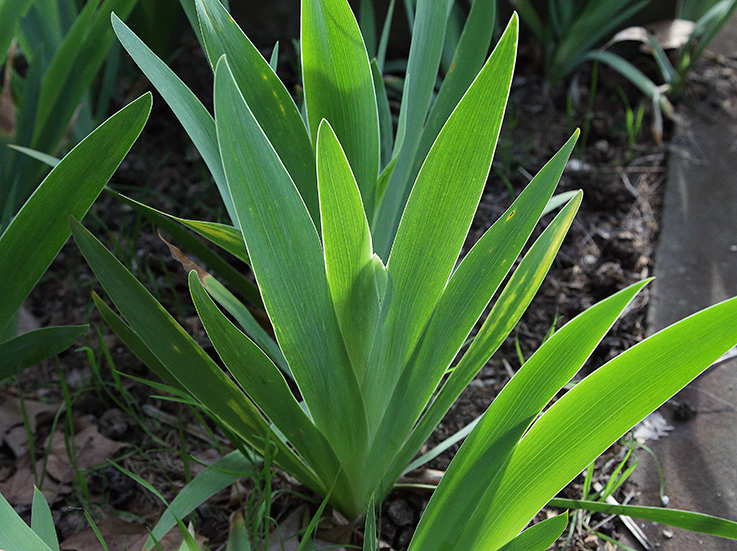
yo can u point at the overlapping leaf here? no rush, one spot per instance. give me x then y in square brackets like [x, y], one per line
[589, 418]
[287, 260]
[469, 290]
[177, 352]
[484, 454]
[195, 119]
[438, 216]
[348, 251]
[422, 68]
[339, 87]
[268, 99]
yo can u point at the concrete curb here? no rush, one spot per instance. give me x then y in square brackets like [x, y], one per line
[696, 266]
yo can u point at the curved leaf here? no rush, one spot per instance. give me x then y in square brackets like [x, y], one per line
[193, 116]
[600, 409]
[214, 478]
[69, 189]
[538, 537]
[31, 348]
[697, 522]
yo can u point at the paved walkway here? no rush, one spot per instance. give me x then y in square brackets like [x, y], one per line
[696, 266]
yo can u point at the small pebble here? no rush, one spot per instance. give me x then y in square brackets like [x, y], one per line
[113, 424]
[400, 513]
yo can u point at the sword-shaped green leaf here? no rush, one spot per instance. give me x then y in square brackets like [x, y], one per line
[216, 477]
[468, 59]
[135, 344]
[686, 520]
[287, 260]
[469, 290]
[597, 411]
[347, 242]
[505, 314]
[339, 87]
[266, 96]
[195, 119]
[59, 70]
[10, 12]
[42, 522]
[224, 236]
[69, 189]
[438, 215]
[386, 125]
[62, 89]
[245, 319]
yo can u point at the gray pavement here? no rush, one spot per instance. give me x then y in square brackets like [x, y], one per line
[696, 266]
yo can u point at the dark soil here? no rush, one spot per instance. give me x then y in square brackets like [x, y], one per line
[610, 246]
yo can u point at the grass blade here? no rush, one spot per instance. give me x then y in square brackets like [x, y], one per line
[49, 160]
[369, 527]
[696, 522]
